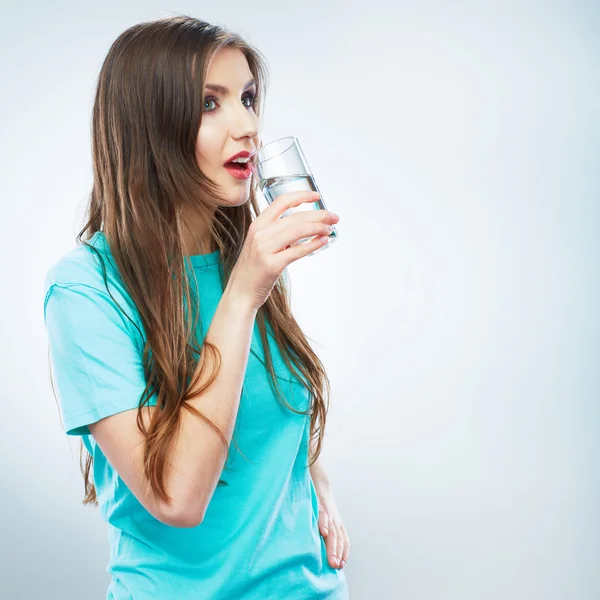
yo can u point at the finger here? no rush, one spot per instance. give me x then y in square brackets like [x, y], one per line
[346, 551]
[293, 253]
[289, 235]
[340, 546]
[341, 543]
[323, 527]
[285, 202]
[320, 215]
[333, 537]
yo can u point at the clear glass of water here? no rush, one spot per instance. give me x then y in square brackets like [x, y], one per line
[280, 167]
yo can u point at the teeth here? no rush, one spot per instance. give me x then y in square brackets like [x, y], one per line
[240, 160]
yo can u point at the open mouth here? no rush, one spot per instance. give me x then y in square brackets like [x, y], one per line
[238, 170]
[236, 166]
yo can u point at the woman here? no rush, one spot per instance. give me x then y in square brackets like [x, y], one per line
[171, 336]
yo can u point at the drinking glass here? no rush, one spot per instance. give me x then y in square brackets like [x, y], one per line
[280, 167]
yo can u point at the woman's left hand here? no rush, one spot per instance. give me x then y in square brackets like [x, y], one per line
[332, 529]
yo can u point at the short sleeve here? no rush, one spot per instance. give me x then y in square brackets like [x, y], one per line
[96, 360]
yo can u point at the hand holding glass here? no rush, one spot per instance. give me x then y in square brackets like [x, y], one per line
[280, 167]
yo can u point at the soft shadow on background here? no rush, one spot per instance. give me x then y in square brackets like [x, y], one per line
[457, 314]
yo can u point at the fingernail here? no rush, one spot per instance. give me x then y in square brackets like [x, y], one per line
[343, 563]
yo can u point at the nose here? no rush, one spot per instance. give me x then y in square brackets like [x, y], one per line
[244, 123]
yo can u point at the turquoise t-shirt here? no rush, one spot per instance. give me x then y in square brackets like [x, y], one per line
[259, 538]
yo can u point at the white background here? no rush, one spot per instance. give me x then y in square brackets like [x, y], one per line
[457, 314]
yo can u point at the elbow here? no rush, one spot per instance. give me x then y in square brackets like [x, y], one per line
[187, 508]
[181, 518]
[183, 521]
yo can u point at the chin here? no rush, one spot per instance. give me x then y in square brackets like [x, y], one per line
[239, 199]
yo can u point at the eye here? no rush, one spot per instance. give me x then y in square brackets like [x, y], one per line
[207, 100]
[250, 95]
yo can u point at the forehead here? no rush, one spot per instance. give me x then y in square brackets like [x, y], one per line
[228, 65]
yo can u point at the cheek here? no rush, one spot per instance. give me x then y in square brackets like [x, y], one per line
[208, 149]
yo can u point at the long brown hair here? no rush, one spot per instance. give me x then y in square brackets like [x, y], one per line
[146, 116]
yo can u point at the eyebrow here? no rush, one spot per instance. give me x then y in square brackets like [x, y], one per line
[220, 89]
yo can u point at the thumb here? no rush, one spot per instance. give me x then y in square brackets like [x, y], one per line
[323, 523]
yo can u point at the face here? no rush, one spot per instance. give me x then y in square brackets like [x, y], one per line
[229, 123]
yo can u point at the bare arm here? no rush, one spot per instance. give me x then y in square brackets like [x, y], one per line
[198, 455]
[318, 472]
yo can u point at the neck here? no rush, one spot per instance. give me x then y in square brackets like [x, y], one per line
[196, 236]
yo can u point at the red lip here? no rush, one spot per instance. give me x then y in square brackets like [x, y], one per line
[242, 154]
[238, 173]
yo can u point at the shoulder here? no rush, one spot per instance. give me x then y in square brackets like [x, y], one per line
[81, 265]
[90, 272]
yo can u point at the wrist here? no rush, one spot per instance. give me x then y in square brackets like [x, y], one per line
[238, 301]
[320, 478]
